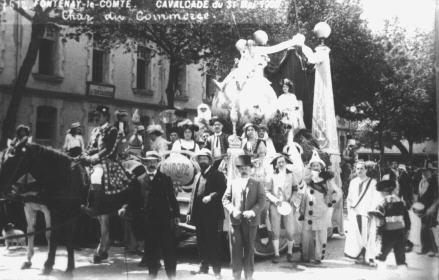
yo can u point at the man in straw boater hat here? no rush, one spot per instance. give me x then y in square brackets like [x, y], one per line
[359, 203]
[206, 212]
[244, 200]
[281, 189]
[161, 212]
[158, 143]
[394, 222]
[319, 196]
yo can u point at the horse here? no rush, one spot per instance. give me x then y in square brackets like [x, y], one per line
[61, 182]
[26, 191]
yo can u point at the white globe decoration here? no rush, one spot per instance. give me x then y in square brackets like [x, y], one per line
[322, 30]
[260, 37]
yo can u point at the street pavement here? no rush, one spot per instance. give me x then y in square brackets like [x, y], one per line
[124, 266]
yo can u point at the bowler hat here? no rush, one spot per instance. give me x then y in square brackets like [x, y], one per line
[386, 185]
[243, 160]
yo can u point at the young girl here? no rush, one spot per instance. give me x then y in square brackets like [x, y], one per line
[187, 141]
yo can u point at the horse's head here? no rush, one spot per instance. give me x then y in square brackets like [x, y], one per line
[14, 164]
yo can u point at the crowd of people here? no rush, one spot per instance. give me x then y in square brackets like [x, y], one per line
[269, 191]
[395, 210]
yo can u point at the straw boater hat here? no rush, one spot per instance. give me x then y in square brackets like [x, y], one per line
[121, 113]
[140, 128]
[75, 125]
[204, 152]
[315, 158]
[152, 155]
[155, 128]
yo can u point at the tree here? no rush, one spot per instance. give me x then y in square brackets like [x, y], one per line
[38, 20]
[404, 106]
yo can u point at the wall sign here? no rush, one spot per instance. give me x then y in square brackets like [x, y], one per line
[102, 90]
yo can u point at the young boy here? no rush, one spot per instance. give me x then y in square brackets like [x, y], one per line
[394, 221]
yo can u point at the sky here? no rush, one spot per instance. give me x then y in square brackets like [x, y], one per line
[411, 13]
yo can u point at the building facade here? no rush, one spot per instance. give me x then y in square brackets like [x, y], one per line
[70, 79]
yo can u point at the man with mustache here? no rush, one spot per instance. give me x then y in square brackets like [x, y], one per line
[206, 212]
[244, 200]
[161, 210]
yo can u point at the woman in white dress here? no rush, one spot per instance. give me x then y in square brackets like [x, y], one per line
[187, 141]
[74, 143]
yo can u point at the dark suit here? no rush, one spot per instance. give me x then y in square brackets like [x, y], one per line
[222, 142]
[161, 207]
[243, 231]
[208, 219]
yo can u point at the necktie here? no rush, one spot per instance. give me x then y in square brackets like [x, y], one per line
[216, 141]
[243, 199]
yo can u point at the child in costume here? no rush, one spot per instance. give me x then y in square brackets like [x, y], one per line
[318, 197]
[394, 222]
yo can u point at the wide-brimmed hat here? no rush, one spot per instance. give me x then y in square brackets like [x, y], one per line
[23, 127]
[351, 142]
[189, 125]
[204, 152]
[243, 160]
[315, 158]
[386, 185]
[75, 125]
[402, 167]
[278, 155]
[217, 119]
[151, 155]
[121, 113]
[154, 128]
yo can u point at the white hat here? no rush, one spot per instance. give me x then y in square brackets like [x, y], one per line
[154, 127]
[151, 155]
[315, 158]
[204, 152]
[351, 142]
[402, 166]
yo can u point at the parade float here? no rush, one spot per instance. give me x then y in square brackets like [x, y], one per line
[246, 96]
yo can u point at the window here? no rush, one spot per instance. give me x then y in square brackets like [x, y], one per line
[143, 63]
[98, 66]
[46, 125]
[48, 51]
